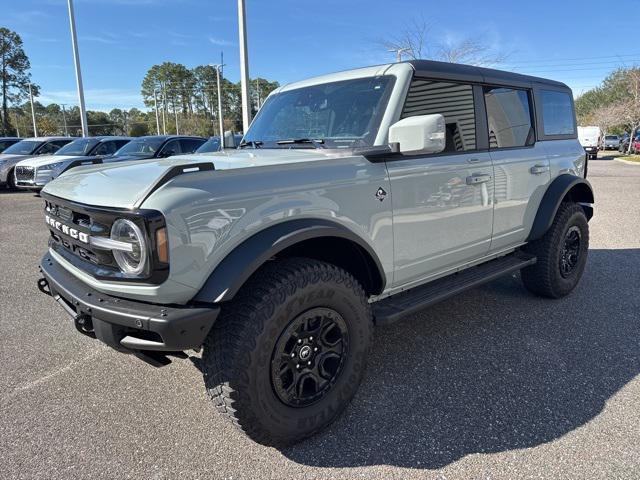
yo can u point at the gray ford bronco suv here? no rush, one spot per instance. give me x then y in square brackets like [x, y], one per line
[353, 200]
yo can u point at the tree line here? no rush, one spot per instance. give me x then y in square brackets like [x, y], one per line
[614, 105]
[179, 100]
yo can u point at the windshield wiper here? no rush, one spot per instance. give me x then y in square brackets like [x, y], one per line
[318, 143]
[252, 143]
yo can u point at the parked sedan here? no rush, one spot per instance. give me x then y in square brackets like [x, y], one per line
[6, 142]
[157, 146]
[34, 173]
[213, 144]
[24, 149]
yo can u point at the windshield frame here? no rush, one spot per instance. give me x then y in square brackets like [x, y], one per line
[37, 144]
[340, 143]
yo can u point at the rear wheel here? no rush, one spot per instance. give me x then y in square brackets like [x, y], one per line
[561, 252]
[287, 355]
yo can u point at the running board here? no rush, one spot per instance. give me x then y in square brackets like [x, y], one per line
[397, 306]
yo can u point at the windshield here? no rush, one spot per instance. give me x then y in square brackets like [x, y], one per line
[142, 146]
[211, 145]
[24, 147]
[340, 114]
[79, 147]
[611, 137]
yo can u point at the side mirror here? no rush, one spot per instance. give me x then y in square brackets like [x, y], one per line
[419, 134]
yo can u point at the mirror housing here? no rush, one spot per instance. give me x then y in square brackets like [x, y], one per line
[419, 134]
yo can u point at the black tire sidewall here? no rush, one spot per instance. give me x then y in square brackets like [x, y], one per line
[561, 285]
[285, 423]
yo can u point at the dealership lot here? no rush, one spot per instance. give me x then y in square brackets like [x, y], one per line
[494, 383]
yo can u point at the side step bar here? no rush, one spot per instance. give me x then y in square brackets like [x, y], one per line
[397, 306]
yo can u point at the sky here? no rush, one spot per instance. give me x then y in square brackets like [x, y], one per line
[577, 42]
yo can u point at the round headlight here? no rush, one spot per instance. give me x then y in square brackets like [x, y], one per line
[135, 261]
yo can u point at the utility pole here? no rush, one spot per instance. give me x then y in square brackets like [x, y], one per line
[257, 95]
[220, 119]
[33, 113]
[164, 115]
[155, 106]
[76, 61]
[124, 118]
[244, 67]
[175, 112]
[399, 52]
[64, 121]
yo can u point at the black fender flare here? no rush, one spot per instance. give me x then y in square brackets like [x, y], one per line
[565, 184]
[244, 260]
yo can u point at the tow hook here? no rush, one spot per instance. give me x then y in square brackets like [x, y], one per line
[43, 286]
[84, 324]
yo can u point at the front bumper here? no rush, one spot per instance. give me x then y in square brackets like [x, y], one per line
[126, 325]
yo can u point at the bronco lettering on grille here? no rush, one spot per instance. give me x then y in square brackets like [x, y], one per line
[67, 230]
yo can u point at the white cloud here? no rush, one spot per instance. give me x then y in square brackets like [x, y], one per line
[220, 42]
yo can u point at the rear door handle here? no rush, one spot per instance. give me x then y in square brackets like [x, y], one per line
[478, 178]
[539, 169]
[473, 160]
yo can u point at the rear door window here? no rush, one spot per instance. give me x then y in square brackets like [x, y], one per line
[557, 113]
[508, 117]
[190, 145]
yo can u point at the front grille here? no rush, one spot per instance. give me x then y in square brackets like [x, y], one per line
[25, 174]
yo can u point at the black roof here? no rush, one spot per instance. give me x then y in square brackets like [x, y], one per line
[470, 73]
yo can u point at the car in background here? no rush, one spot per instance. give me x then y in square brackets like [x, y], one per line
[24, 149]
[213, 144]
[589, 138]
[158, 146]
[34, 173]
[635, 145]
[611, 142]
[6, 142]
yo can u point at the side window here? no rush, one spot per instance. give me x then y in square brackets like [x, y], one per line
[48, 148]
[106, 148]
[190, 145]
[171, 148]
[508, 117]
[452, 100]
[557, 113]
[121, 143]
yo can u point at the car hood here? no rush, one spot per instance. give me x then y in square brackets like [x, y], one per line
[40, 161]
[13, 158]
[125, 185]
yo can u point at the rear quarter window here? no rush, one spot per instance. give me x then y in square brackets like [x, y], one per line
[557, 113]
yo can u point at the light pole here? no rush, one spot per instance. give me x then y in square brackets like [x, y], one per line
[220, 119]
[399, 52]
[164, 109]
[33, 113]
[64, 121]
[155, 106]
[76, 61]
[244, 67]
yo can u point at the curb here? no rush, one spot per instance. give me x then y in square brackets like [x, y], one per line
[628, 162]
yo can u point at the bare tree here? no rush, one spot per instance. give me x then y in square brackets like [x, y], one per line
[415, 41]
[628, 109]
[607, 117]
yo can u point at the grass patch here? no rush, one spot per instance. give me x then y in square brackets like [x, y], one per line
[630, 158]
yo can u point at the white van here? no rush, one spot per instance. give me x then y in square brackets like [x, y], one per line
[589, 138]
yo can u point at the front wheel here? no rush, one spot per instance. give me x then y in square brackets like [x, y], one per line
[288, 353]
[561, 252]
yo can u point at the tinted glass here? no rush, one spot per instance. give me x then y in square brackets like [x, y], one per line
[106, 148]
[79, 147]
[24, 147]
[142, 146]
[48, 148]
[190, 145]
[211, 145]
[611, 137]
[452, 100]
[171, 148]
[342, 114]
[508, 117]
[557, 113]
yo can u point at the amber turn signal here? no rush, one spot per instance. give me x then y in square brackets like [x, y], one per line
[162, 245]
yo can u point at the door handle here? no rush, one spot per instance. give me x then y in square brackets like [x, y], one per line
[473, 160]
[478, 178]
[539, 169]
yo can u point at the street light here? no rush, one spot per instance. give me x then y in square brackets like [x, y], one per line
[399, 52]
[244, 66]
[218, 67]
[33, 113]
[76, 61]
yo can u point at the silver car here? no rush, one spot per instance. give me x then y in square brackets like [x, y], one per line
[24, 149]
[611, 142]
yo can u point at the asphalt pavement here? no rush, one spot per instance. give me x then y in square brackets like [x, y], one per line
[494, 383]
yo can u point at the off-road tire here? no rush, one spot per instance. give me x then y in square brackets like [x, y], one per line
[544, 278]
[237, 354]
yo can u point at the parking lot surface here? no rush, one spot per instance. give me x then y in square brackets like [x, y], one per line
[495, 383]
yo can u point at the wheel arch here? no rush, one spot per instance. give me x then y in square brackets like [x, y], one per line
[314, 238]
[564, 187]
